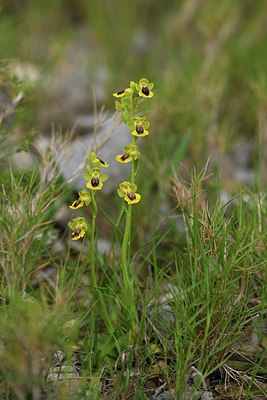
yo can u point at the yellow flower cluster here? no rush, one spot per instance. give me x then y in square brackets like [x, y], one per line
[94, 177]
[138, 127]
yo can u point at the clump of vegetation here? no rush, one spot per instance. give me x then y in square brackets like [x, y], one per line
[31, 332]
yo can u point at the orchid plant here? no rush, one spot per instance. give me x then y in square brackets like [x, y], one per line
[139, 127]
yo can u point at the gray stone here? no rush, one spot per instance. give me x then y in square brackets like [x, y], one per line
[61, 379]
[62, 373]
[58, 357]
[207, 395]
[242, 153]
[166, 316]
[237, 164]
[109, 139]
[246, 176]
[22, 160]
[76, 81]
[166, 395]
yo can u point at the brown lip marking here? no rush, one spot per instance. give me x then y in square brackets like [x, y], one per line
[125, 156]
[77, 202]
[102, 162]
[76, 232]
[95, 181]
[131, 195]
[145, 90]
[139, 129]
[120, 92]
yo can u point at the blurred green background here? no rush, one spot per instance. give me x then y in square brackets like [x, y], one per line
[207, 60]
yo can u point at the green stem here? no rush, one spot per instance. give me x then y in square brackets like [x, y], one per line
[125, 272]
[102, 307]
[92, 256]
[128, 283]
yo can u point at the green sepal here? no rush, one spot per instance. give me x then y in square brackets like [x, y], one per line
[133, 187]
[120, 192]
[146, 124]
[87, 177]
[130, 125]
[103, 177]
